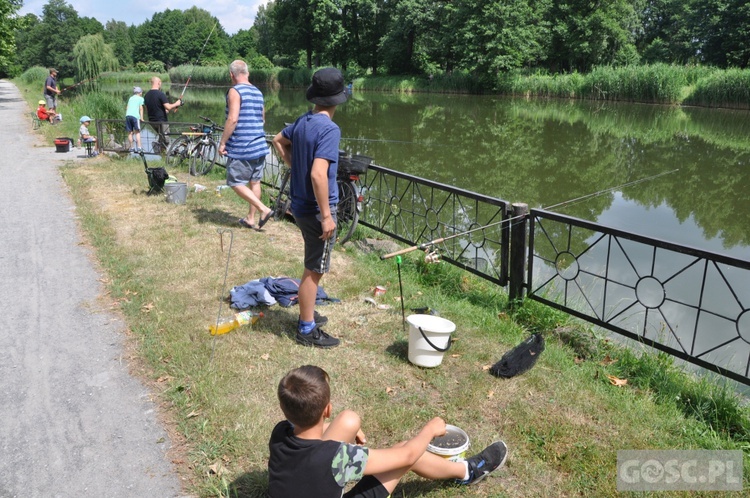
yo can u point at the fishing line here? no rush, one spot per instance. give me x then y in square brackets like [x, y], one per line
[424, 144]
[428, 244]
[198, 59]
[221, 232]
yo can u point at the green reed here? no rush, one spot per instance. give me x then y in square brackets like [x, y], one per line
[218, 75]
[729, 88]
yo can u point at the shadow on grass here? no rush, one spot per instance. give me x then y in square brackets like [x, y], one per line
[254, 484]
[399, 349]
[249, 485]
[216, 217]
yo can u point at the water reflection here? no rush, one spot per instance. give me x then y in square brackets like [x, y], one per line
[547, 152]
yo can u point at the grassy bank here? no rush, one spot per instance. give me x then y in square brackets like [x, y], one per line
[563, 420]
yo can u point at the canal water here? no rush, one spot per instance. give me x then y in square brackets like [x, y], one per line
[548, 152]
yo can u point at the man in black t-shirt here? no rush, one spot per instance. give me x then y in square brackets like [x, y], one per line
[157, 107]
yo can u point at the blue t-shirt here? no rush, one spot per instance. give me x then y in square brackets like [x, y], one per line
[313, 136]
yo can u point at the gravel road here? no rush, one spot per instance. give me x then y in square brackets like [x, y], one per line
[74, 422]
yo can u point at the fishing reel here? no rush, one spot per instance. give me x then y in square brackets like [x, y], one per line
[431, 255]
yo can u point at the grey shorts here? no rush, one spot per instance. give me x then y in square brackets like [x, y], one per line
[317, 252]
[244, 171]
[51, 101]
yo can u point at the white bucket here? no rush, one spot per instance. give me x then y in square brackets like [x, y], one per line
[176, 192]
[452, 445]
[429, 339]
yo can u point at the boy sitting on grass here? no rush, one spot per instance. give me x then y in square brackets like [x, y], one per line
[315, 459]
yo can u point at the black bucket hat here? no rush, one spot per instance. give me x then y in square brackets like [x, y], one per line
[327, 87]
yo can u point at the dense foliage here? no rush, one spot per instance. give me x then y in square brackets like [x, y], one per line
[486, 38]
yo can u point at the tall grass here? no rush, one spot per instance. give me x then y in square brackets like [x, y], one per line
[219, 75]
[658, 83]
[300, 77]
[730, 88]
[709, 400]
[134, 77]
[36, 74]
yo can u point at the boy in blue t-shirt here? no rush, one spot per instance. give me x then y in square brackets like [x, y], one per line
[311, 147]
[315, 459]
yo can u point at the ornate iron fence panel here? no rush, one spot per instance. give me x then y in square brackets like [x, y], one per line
[274, 166]
[415, 211]
[690, 303]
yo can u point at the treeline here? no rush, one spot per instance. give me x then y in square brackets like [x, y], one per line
[482, 39]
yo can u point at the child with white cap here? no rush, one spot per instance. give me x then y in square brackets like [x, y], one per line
[133, 118]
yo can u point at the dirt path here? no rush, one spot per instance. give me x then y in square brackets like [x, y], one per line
[75, 423]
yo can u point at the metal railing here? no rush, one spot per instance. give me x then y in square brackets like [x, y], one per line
[112, 136]
[415, 211]
[692, 304]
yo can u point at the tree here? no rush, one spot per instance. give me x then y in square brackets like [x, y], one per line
[310, 26]
[9, 22]
[59, 30]
[93, 57]
[588, 33]
[203, 39]
[117, 34]
[263, 31]
[497, 36]
[158, 39]
[400, 46]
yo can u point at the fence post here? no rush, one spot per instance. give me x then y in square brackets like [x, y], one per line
[518, 229]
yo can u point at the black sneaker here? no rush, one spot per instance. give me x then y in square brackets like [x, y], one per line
[317, 338]
[491, 458]
[320, 320]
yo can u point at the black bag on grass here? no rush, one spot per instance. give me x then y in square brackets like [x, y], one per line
[519, 359]
[156, 177]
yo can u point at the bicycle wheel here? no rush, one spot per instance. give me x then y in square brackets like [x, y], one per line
[203, 158]
[347, 213]
[283, 201]
[177, 152]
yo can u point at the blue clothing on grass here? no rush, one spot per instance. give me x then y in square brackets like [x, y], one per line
[285, 290]
[313, 135]
[251, 294]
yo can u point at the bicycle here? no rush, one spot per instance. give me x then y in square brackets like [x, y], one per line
[350, 194]
[197, 145]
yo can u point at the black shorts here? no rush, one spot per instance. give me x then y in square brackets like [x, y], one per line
[368, 487]
[317, 252]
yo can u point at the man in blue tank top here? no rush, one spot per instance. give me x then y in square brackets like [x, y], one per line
[244, 143]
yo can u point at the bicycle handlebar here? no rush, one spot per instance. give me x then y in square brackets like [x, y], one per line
[213, 123]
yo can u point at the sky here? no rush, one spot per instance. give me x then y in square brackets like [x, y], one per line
[232, 14]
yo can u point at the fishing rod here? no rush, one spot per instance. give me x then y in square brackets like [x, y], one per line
[81, 83]
[426, 245]
[198, 59]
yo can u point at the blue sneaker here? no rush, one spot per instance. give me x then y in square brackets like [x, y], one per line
[491, 458]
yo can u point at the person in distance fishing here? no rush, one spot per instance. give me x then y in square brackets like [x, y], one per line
[51, 91]
[244, 143]
[157, 107]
